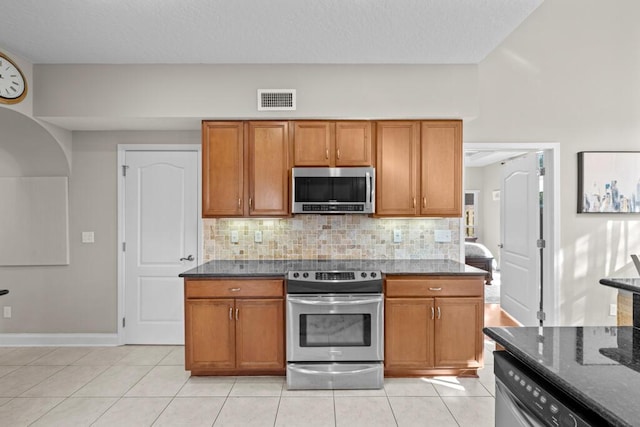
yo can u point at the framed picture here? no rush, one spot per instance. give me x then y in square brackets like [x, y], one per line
[609, 182]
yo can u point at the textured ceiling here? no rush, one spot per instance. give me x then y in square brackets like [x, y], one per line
[258, 31]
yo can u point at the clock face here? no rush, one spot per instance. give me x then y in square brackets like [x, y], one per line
[13, 87]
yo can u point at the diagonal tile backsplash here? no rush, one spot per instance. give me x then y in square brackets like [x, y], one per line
[330, 236]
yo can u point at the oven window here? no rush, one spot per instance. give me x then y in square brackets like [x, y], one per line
[335, 330]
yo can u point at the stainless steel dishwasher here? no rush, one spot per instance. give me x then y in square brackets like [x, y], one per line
[523, 398]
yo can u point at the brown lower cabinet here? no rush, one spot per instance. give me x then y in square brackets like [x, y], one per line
[433, 325]
[234, 327]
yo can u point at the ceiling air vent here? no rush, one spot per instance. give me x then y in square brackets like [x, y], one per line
[276, 99]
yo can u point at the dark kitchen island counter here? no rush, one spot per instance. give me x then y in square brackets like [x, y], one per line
[279, 268]
[597, 366]
[629, 284]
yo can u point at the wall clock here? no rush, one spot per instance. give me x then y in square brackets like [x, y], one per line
[13, 85]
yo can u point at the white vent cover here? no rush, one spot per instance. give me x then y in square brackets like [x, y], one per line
[276, 99]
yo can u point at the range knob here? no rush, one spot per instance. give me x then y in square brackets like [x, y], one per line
[373, 274]
[296, 275]
[305, 274]
[363, 274]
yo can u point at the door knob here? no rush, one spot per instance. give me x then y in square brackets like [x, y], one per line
[189, 258]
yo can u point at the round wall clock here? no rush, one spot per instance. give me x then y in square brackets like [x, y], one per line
[13, 86]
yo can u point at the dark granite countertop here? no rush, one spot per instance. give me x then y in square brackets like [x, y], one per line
[278, 268]
[631, 284]
[597, 366]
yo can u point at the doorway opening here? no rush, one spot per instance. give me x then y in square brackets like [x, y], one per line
[483, 171]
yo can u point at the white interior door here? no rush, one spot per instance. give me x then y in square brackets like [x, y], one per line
[161, 241]
[520, 225]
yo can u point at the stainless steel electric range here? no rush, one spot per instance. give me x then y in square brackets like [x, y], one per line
[335, 337]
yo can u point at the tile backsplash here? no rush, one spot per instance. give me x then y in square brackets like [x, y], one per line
[330, 236]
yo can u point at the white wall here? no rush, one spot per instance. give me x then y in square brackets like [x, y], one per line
[569, 74]
[180, 95]
[81, 297]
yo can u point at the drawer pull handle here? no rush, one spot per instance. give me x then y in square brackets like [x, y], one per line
[234, 289]
[435, 289]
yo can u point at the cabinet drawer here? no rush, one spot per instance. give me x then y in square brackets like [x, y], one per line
[413, 286]
[233, 288]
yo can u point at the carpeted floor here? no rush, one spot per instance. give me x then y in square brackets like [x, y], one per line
[492, 291]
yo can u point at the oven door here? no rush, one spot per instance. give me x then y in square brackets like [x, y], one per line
[341, 328]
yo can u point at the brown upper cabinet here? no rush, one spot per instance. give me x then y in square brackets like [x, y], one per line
[419, 168]
[328, 143]
[245, 168]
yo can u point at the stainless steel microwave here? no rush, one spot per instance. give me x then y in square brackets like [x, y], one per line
[333, 190]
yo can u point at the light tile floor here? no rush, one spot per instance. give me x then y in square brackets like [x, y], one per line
[148, 386]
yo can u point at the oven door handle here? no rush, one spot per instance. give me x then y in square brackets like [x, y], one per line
[320, 302]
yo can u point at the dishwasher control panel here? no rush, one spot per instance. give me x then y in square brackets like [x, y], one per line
[550, 405]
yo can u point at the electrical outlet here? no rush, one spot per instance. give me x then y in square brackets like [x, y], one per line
[613, 309]
[88, 237]
[443, 236]
[235, 238]
[397, 236]
[7, 312]
[257, 236]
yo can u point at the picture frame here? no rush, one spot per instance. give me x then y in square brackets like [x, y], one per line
[609, 182]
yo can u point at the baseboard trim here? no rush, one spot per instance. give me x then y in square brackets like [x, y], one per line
[58, 340]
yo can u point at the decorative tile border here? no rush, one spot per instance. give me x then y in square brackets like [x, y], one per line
[330, 236]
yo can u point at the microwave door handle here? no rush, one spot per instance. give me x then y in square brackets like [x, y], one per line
[368, 187]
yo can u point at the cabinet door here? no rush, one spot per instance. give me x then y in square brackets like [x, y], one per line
[260, 334]
[397, 168]
[409, 337]
[222, 169]
[313, 143]
[458, 332]
[353, 143]
[441, 168]
[268, 168]
[209, 334]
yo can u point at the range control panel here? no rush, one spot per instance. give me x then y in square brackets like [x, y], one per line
[334, 276]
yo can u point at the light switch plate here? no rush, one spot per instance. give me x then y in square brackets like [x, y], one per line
[88, 237]
[7, 312]
[234, 236]
[442, 236]
[397, 236]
